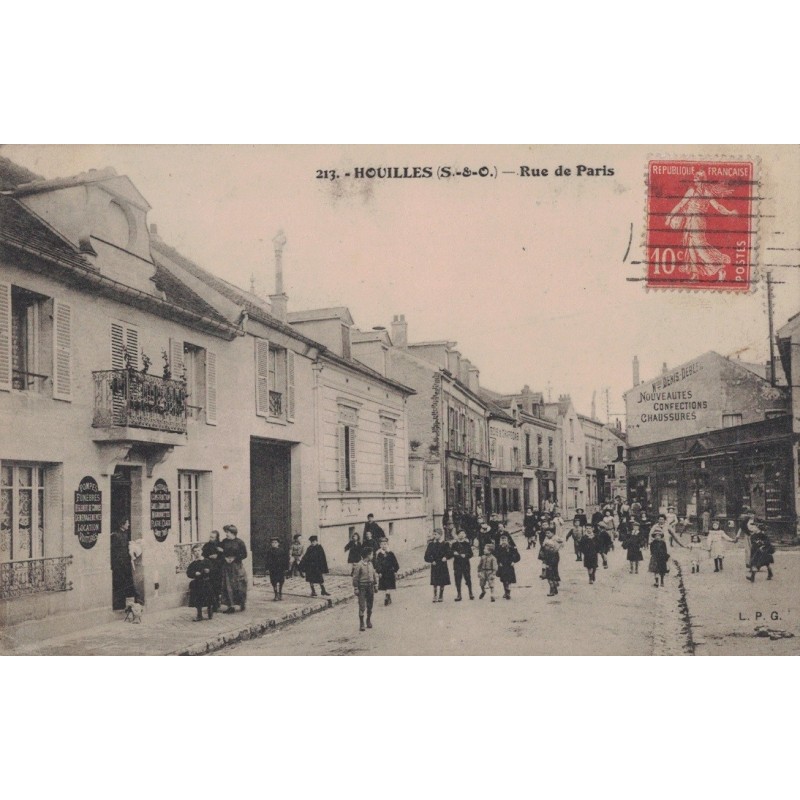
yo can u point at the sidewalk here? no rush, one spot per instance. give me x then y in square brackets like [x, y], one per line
[174, 631]
[731, 616]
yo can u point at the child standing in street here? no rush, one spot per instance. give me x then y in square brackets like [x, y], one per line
[634, 548]
[365, 581]
[277, 564]
[506, 557]
[576, 532]
[297, 554]
[314, 565]
[604, 541]
[589, 552]
[716, 536]
[761, 555]
[551, 557]
[658, 556]
[200, 589]
[387, 568]
[487, 567]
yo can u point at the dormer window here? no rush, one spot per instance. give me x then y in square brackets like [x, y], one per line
[116, 226]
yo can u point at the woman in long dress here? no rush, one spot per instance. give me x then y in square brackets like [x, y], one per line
[701, 259]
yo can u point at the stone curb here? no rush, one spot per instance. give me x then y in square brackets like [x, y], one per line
[260, 628]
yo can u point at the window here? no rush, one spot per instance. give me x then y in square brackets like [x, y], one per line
[198, 367]
[571, 429]
[588, 459]
[610, 471]
[515, 459]
[539, 450]
[492, 450]
[275, 380]
[189, 501]
[22, 507]
[35, 342]
[570, 465]
[515, 500]
[527, 448]
[388, 462]
[731, 420]
[347, 458]
[580, 466]
[551, 459]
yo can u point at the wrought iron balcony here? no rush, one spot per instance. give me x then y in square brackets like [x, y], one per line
[34, 576]
[275, 404]
[131, 399]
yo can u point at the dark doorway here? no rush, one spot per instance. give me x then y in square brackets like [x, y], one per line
[121, 571]
[270, 498]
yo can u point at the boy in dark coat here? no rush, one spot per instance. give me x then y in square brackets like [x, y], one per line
[551, 558]
[200, 590]
[633, 545]
[529, 525]
[436, 554]
[604, 542]
[506, 556]
[375, 531]
[462, 553]
[387, 568]
[658, 557]
[214, 552]
[277, 564]
[761, 555]
[314, 566]
[589, 552]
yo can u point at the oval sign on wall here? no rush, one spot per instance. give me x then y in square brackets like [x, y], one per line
[88, 512]
[160, 510]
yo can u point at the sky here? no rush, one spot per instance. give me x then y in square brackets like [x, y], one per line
[528, 274]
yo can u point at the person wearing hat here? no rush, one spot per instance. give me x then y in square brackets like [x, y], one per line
[746, 529]
[761, 554]
[658, 555]
[387, 568]
[551, 558]
[484, 537]
[589, 552]
[365, 580]
[376, 533]
[581, 515]
[576, 532]
[634, 549]
[276, 562]
[314, 566]
[462, 571]
[529, 526]
[214, 552]
[507, 555]
[436, 554]
[234, 578]
[200, 589]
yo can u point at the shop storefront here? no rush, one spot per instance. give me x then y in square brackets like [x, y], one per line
[720, 472]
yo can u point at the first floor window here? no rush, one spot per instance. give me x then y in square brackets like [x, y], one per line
[189, 511]
[21, 511]
[731, 420]
[388, 462]
[347, 458]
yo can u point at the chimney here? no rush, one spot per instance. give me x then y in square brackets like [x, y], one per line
[474, 379]
[594, 405]
[279, 300]
[527, 402]
[154, 229]
[463, 373]
[664, 368]
[636, 371]
[399, 330]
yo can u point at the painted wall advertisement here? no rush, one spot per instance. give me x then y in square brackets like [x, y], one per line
[160, 510]
[88, 512]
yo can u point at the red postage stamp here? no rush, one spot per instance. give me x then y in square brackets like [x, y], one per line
[700, 224]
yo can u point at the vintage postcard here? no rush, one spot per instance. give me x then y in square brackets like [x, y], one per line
[399, 400]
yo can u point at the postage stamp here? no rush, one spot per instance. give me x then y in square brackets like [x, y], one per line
[701, 225]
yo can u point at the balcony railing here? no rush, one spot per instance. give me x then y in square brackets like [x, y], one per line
[34, 576]
[127, 398]
[275, 404]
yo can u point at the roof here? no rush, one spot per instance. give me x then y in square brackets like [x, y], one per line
[180, 294]
[493, 408]
[39, 184]
[317, 314]
[255, 307]
[21, 228]
[12, 175]
[379, 335]
[358, 366]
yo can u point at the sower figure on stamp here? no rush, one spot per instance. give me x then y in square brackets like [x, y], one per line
[387, 568]
[436, 554]
[365, 581]
[314, 566]
[462, 553]
[277, 564]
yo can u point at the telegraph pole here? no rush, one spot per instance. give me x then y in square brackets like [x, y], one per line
[771, 331]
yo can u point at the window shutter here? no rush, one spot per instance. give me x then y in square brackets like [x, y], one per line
[211, 388]
[62, 351]
[5, 337]
[176, 363]
[290, 385]
[132, 343]
[262, 377]
[117, 343]
[352, 458]
[342, 465]
[386, 462]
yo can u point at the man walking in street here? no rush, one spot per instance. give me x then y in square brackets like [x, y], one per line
[365, 581]
[375, 532]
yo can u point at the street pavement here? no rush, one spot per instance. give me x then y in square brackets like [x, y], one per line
[621, 614]
[731, 616]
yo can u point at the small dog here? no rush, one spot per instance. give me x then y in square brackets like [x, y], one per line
[133, 613]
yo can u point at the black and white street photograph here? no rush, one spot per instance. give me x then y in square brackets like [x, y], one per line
[399, 400]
